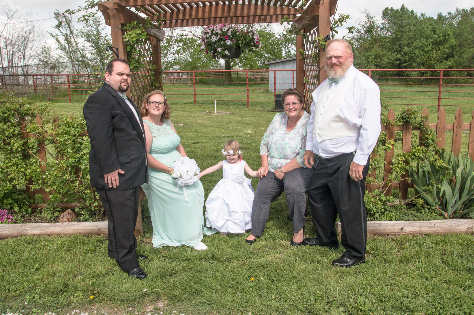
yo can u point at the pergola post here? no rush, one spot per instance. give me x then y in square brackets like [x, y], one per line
[324, 29]
[117, 31]
[300, 64]
[156, 57]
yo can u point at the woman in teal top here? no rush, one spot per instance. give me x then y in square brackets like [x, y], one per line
[282, 150]
[176, 220]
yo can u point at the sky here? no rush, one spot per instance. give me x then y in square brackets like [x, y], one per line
[375, 7]
[42, 11]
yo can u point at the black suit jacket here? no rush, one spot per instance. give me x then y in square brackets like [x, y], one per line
[117, 141]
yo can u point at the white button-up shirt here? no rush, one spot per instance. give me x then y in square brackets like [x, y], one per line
[361, 109]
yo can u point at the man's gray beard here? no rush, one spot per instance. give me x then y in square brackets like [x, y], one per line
[338, 73]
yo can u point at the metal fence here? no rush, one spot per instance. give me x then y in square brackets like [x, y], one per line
[51, 86]
[417, 87]
[425, 87]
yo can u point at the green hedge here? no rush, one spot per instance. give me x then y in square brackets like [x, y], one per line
[66, 174]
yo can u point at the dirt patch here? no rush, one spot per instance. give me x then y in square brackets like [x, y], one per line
[217, 113]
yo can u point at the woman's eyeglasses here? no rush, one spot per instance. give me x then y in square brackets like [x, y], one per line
[153, 103]
[289, 104]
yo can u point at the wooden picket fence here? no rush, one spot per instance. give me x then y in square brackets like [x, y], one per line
[407, 131]
[41, 152]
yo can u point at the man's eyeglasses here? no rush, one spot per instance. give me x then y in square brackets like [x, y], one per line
[153, 103]
[289, 104]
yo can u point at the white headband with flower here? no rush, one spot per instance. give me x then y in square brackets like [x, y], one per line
[230, 152]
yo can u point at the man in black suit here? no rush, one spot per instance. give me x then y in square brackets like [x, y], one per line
[117, 161]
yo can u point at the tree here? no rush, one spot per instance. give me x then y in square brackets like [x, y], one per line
[369, 43]
[464, 35]
[67, 42]
[49, 60]
[405, 40]
[17, 44]
[85, 48]
[273, 46]
[96, 42]
[181, 50]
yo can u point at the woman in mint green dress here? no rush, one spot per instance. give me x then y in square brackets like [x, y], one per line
[176, 221]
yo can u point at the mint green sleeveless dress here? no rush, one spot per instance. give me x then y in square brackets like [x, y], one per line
[175, 221]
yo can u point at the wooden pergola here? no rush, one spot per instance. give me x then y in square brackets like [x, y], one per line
[313, 18]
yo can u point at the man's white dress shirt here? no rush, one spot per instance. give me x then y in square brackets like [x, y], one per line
[360, 109]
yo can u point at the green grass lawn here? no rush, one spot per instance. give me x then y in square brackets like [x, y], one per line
[402, 275]
[425, 274]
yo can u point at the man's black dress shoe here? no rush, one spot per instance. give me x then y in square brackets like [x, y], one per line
[347, 262]
[142, 257]
[137, 273]
[316, 242]
[293, 243]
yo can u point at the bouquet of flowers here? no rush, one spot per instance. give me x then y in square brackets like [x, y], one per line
[185, 171]
[219, 39]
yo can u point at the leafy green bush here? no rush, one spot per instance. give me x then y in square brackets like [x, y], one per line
[67, 169]
[380, 207]
[446, 184]
[65, 173]
[18, 153]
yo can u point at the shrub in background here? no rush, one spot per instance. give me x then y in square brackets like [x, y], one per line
[18, 153]
[67, 170]
[379, 206]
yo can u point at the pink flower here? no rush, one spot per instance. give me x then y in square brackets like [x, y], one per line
[226, 37]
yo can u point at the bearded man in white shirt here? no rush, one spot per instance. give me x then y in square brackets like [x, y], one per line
[342, 132]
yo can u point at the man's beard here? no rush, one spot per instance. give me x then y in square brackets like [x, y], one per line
[123, 89]
[337, 73]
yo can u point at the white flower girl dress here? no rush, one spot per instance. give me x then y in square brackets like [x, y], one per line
[229, 205]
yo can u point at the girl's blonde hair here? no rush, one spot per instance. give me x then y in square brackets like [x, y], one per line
[234, 146]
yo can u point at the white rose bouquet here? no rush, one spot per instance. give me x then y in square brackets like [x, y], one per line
[185, 172]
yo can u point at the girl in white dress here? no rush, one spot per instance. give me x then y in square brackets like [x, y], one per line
[229, 205]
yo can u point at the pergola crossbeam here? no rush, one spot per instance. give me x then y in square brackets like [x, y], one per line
[138, 3]
[223, 11]
[307, 15]
[229, 20]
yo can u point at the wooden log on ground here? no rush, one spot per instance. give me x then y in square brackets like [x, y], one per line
[461, 226]
[66, 228]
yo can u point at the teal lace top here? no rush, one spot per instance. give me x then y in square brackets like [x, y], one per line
[282, 146]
